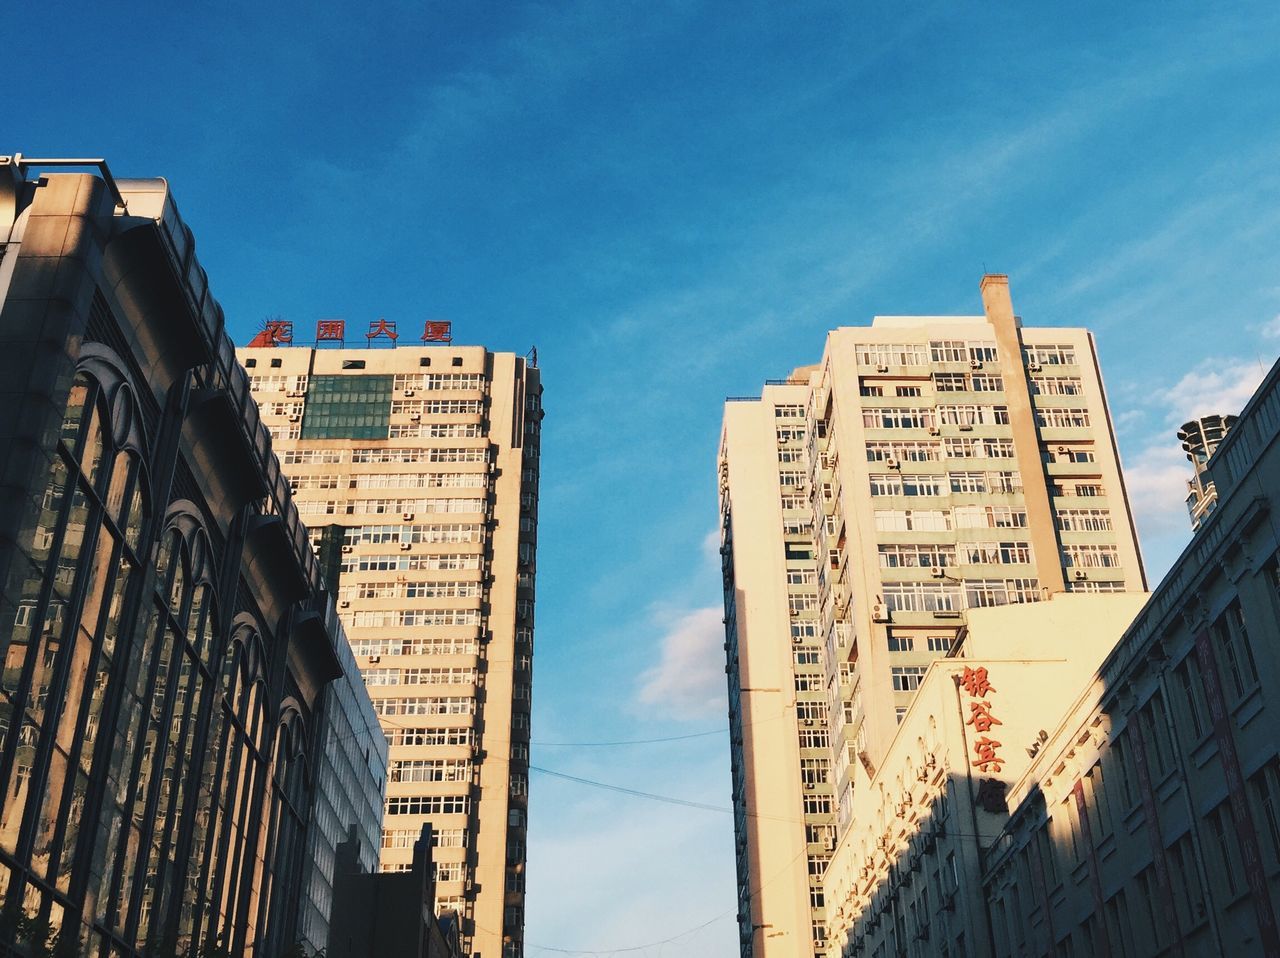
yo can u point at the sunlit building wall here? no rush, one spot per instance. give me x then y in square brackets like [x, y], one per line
[165, 634]
[946, 463]
[416, 469]
[778, 710]
[906, 877]
[1149, 823]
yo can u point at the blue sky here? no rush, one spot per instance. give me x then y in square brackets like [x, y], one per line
[674, 201]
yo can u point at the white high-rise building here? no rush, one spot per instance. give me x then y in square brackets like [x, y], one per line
[416, 471]
[925, 466]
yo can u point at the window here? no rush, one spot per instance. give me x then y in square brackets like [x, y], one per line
[1051, 355]
[913, 520]
[1062, 418]
[865, 390]
[906, 391]
[907, 678]
[1233, 643]
[948, 351]
[939, 643]
[1186, 680]
[901, 643]
[990, 517]
[922, 597]
[1057, 386]
[1266, 794]
[897, 417]
[1084, 520]
[893, 354]
[1222, 838]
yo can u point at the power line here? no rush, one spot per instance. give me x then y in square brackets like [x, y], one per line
[670, 800]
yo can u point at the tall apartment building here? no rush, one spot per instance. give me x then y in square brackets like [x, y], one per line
[944, 463]
[416, 469]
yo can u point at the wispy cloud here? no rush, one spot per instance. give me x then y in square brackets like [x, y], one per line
[1271, 328]
[688, 680]
[1215, 385]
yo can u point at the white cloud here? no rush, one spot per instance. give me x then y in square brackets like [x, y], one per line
[1156, 480]
[1214, 386]
[1271, 328]
[711, 547]
[688, 680]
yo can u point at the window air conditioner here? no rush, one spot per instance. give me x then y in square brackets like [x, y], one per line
[975, 364]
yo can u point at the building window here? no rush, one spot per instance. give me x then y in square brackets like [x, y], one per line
[347, 407]
[907, 678]
[1233, 642]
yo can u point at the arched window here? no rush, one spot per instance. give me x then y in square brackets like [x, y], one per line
[62, 648]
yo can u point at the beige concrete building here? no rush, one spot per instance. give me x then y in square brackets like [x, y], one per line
[1128, 809]
[778, 710]
[906, 877]
[416, 470]
[945, 464]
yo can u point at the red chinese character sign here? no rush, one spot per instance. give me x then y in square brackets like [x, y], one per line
[436, 331]
[986, 757]
[275, 332]
[331, 331]
[382, 328]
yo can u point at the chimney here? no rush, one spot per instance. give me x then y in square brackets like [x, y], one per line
[996, 301]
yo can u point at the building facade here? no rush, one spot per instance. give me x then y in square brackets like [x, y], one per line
[906, 877]
[1135, 808]
[1156, 804]
[165, 634]
[417, 470]
[1200, 437]
[945, 463]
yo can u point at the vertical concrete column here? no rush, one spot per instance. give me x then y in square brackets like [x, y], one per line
[1026, 439]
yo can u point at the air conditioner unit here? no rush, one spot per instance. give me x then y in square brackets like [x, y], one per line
[807, 723]
[892, 463]
[809, 786]
[934, 431]
[1063, 450]
[1081, 574]
[344, 604]
[882, 368]
[938, 572]
[347, 549]
[375, 659]
[879, 613]
[966, 427]
[294, 417]
[406, 546]
[1034, 366]
[828, 843]
[975, 364]
[407, 392]
[795, 613]
[283, 387]
[797, 639]
[407, 516]
[415, 417]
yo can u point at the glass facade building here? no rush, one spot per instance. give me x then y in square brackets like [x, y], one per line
[167, 646]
